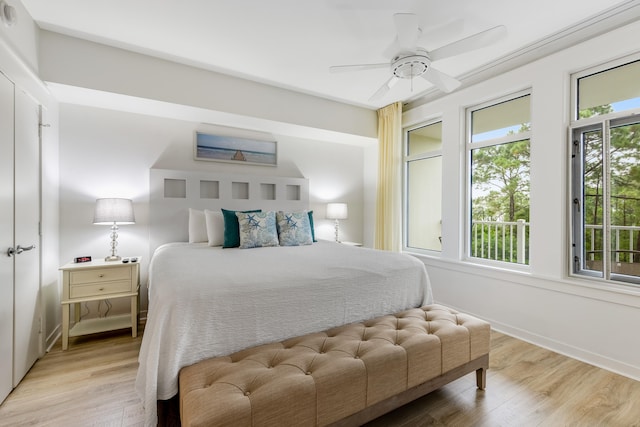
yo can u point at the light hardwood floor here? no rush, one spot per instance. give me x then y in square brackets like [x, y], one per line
[92, 384]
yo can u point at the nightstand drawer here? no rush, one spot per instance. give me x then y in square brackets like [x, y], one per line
[95, 289]
[99, 275]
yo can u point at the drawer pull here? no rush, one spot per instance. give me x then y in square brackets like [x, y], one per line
[101, 289]
[101, 275]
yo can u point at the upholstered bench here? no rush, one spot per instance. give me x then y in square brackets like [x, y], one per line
[346, 376]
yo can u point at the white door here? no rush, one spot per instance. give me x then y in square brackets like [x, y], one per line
[27, 314]
[6, 236]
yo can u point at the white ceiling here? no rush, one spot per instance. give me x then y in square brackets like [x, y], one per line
[292, 43]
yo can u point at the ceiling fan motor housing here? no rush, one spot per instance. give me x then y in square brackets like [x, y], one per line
[408, 67]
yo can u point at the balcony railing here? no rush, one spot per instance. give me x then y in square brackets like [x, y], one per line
[624, 245]
[500, 240]
[508, 241]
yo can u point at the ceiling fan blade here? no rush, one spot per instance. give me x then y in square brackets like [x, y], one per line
[446, 30]
[475, 41]
[443, 31]
[392, 50]
[408, 30]
[357, 67]
[442, 81]
[384, 88]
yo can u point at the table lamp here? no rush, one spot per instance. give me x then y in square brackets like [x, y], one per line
[113, 212]
[337, 211]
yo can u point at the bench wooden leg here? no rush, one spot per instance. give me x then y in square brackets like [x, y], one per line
[481, 378]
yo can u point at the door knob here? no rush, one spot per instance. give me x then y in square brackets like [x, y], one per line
[19, 249]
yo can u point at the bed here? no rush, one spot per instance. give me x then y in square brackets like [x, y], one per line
[207, 301]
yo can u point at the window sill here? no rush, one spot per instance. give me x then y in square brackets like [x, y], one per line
[627, 295]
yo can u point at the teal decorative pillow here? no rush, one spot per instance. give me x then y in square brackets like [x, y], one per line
[313, 231]
[257, 229]
[294, 228]
[231, 228]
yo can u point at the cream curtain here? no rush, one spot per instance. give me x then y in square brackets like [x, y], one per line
[388, 233]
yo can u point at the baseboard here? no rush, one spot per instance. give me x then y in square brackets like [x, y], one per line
[53, 338]
[591, 358]
[573, 352]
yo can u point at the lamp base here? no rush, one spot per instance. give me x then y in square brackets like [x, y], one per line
[114, 244]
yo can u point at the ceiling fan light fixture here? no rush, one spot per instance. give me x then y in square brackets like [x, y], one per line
[411, 66]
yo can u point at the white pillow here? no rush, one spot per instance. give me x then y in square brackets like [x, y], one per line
[215, 227]
[197, 226]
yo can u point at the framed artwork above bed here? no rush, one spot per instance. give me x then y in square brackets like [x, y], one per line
[233, 149]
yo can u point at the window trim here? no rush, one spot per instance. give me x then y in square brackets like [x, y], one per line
[406, 158]
[601, 67]
[469, 147]
[495, 101]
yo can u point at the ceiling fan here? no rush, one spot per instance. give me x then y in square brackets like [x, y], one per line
[408, 60]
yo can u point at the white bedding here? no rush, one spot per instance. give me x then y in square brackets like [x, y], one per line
[208, 301]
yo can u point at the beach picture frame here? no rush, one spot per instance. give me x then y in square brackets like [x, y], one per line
[234, 149]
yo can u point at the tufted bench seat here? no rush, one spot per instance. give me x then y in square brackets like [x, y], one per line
[346, 375]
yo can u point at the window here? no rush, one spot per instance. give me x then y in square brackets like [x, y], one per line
[423, 187]
[605, 173]
[610, 91]
[498, 150]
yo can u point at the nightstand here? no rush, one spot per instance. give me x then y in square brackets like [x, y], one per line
[95, 281]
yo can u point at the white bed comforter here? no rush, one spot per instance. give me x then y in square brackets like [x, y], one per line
[206, 302]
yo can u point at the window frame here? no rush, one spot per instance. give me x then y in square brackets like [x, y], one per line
[406, 159]
[575, 176]
[574, 119]
[469, 147]
[576, 217]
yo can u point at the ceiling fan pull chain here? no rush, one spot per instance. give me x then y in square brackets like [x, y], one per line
[412, 77]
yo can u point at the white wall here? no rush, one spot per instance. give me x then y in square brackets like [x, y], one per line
[75, 62]
[50, 285]
[106, 153]
[541, 304]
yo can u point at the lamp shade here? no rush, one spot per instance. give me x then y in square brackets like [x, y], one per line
[109, 211]
[337, 211]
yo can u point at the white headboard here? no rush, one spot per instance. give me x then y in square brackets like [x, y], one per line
[173, 192]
